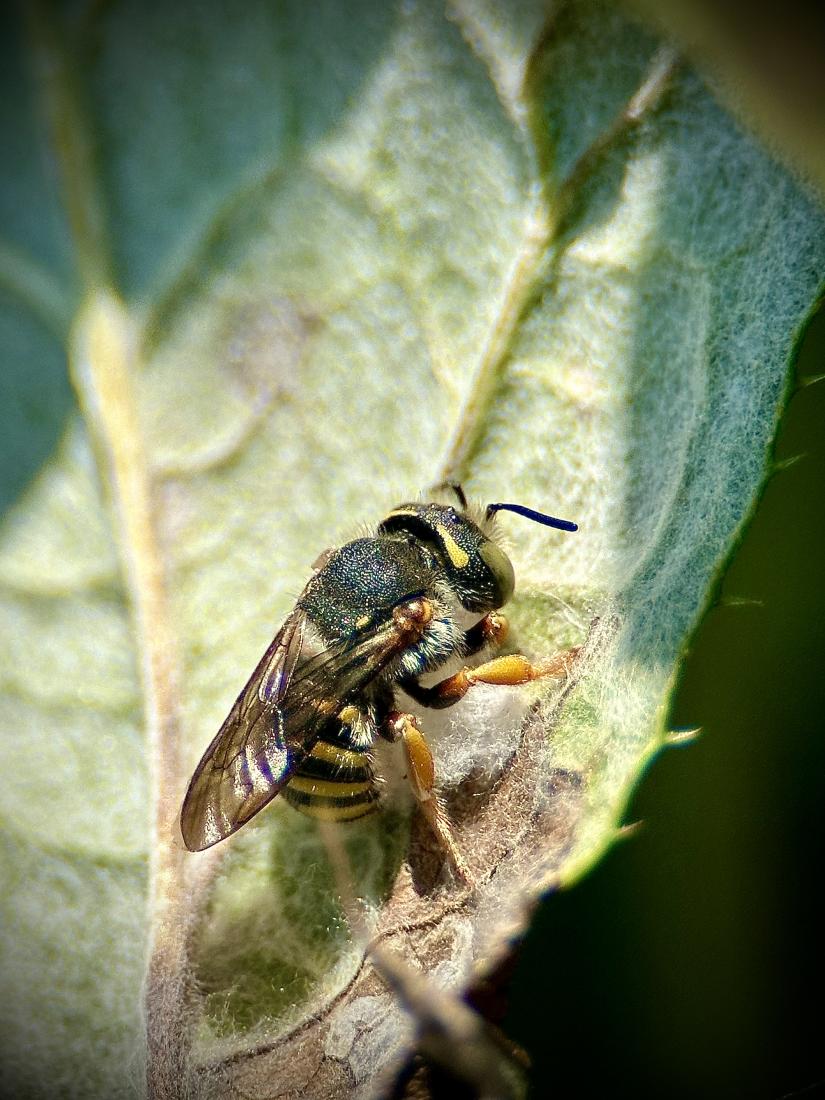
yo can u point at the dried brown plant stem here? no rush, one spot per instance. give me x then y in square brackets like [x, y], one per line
[449, 1031]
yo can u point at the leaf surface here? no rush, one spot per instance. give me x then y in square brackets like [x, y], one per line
[355, 249]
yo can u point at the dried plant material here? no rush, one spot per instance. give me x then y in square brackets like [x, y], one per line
[516, 832]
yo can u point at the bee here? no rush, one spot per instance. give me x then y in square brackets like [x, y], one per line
[377, 614]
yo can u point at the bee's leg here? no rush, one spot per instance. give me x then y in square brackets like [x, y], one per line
[421, 774]
[509, 670]
[492, 630]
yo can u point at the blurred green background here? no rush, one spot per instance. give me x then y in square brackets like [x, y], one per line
[693, 955]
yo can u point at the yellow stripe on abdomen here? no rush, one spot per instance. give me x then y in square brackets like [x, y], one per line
[324, 811]
[333, 783]
[336, 756]
[327, 788]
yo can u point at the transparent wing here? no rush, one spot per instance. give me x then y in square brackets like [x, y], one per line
[247, 761]
[278, 663]
[274, 723]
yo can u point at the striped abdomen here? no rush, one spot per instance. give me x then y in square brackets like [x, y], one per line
[336, 781]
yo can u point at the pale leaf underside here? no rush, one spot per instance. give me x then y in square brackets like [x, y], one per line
[354, 251]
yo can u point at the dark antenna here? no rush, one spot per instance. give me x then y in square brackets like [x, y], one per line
[455, 487]
[529, 513]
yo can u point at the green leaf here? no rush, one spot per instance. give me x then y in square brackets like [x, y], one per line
[302, 264]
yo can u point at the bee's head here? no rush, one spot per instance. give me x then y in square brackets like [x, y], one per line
[480, 573]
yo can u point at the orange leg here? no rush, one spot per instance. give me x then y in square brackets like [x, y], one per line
[509, 670]
[421, 774]
[492, 630]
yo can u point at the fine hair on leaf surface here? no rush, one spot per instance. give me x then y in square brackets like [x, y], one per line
[301, 264]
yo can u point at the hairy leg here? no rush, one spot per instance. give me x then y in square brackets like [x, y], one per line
[404, 727]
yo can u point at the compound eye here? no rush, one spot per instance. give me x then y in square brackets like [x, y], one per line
[502, 570]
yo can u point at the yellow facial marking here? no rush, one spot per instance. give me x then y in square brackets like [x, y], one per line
[362, 622]
[457, 556]
[349, 715]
